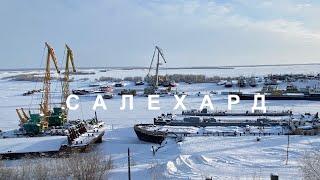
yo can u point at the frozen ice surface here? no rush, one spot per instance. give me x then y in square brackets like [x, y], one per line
[195, 157]
[36, 144]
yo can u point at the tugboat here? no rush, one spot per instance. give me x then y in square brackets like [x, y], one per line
[139, 83]
[169, 84]
[241, 82]
[269, 82]
[107, 96]
[119, 84]
[31, 92]
[94, 85]
[228, 84]
[252, 82]
[47, 130]
[80, 92]
[291, 89]
[128, 92]
[106, 89]
[314, 92]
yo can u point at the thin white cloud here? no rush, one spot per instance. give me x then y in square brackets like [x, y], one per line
[194, 32]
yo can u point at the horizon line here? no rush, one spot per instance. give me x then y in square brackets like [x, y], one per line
[173, 67]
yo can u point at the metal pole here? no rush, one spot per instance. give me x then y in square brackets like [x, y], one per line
[157, 69]
[129, 171]
[287, 159]
[288, 150]
[95, 116]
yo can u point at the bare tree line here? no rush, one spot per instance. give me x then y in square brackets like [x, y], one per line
[91, 166]
[310, 166]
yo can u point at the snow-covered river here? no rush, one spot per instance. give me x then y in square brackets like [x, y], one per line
[196, 157]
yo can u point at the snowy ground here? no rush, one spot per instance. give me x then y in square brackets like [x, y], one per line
[196, 157]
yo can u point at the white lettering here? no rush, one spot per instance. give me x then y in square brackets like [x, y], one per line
[123, 107]
[206, 102]
[68, 102]
[179, 102]
[231, 102]
[152, 100]
[99, 103]
[255, 103]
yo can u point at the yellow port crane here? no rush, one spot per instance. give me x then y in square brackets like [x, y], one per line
[45, 104]
[66, 79]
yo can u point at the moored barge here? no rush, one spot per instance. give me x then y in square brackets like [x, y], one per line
[285, 96]
[205, 112]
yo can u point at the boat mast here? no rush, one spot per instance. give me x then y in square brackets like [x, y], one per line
[45, 107]
[65, 85]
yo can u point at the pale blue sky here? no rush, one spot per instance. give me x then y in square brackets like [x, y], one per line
[191, 33]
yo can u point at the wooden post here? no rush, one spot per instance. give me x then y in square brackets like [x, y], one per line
[129, 171]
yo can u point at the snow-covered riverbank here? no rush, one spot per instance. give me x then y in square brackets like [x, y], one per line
[196, 157]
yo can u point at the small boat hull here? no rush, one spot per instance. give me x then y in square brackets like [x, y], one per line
[149, 136]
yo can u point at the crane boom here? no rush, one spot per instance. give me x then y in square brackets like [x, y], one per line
[154, 52]
[22, 116]
[157, 51]
[65, 86]
[46, 83]
[24, 113]
[161, 53]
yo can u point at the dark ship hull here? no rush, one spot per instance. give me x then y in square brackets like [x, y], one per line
[149, 136]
